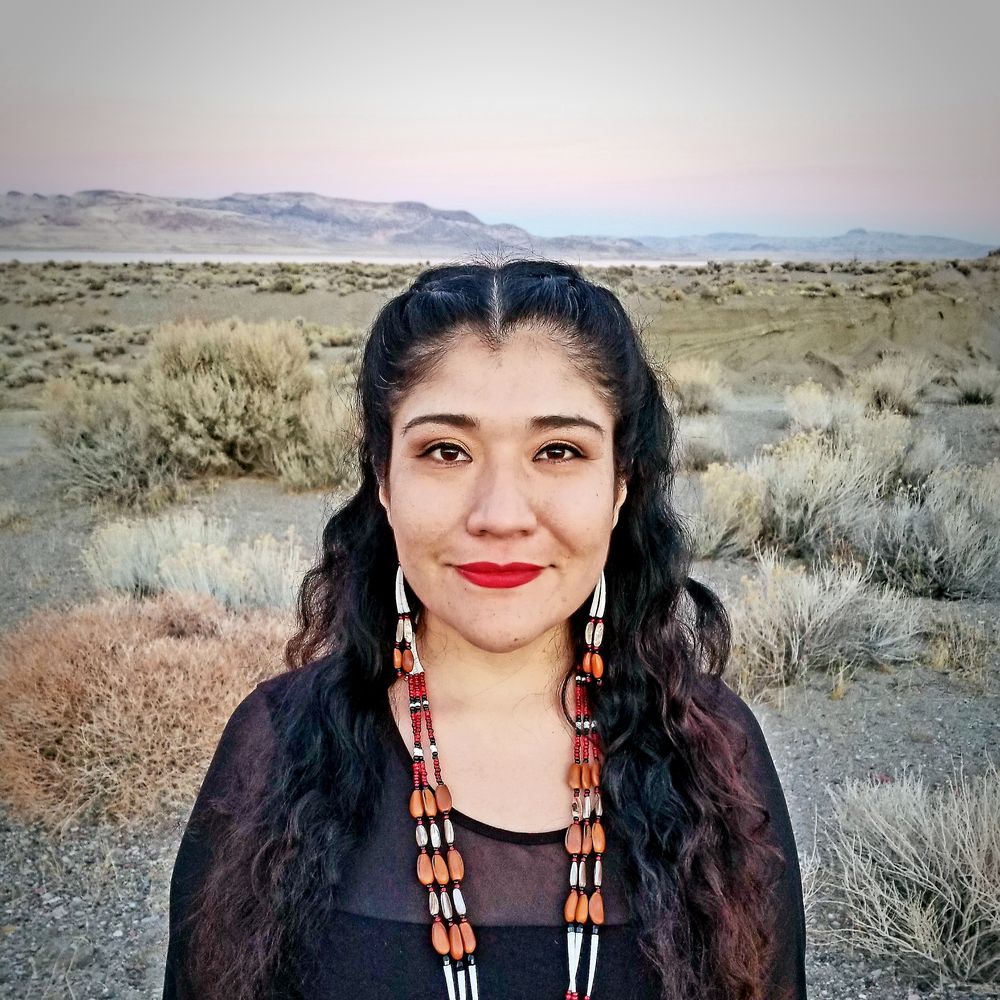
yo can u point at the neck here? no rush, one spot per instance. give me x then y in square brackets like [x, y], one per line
[463, 678]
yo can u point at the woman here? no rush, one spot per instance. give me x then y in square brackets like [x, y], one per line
[503, 763]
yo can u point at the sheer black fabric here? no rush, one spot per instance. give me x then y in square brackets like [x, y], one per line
[378, 945]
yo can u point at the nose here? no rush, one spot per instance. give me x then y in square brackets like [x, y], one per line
[501, 502]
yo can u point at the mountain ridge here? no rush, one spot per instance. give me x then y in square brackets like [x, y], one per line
[105, 219]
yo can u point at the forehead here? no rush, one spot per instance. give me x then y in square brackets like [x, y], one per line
[530, 374]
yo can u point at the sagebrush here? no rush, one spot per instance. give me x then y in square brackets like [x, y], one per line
[110, 712]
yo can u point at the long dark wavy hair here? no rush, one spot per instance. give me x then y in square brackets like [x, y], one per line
[698, 864]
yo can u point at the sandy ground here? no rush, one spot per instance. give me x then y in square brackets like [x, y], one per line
[85, 916]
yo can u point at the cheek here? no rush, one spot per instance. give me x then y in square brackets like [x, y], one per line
[582, 510]
[420, 513]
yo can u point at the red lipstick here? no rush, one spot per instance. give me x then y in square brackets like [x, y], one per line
[487, 574]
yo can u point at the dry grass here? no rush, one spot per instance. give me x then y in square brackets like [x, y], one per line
[789, 622]
[110, 712]
[917, 873]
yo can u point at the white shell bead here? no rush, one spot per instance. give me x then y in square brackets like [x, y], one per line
[583, 874]
[598, 808]
[588, 633]
[598, 873]
[573, 874]
[449, 831]
[432, 904]
[586, 807]
[459, 901]
[407, 630]
[598, 633]
[435, 836]
[399, 630]
[421, 835]
[446, 910]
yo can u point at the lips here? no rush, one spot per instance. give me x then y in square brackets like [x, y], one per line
[487, 574]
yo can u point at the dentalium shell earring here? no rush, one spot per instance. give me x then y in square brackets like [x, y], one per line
[441, 874]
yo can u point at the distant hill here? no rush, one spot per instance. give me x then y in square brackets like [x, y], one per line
[305, 223]
[861, 243]
[287, 222]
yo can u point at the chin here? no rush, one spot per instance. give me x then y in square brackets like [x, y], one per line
[500, 640]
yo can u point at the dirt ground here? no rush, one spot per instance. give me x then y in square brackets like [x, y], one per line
[85, 916]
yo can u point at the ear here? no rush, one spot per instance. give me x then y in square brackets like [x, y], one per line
[619, 500]
[383, 498]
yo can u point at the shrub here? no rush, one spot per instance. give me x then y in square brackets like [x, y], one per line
[917, 873]
[976, 384]
[790, 622]
[697, 386]
[813, 493]
[810, 406]
[813, 489]
[702, 441]
[110, 712]
[893, 445]
[103, 449]
[227, 398]
[264, 573]
[190, 553]
[325, 454]
[943, 540]
[125, 555]
[28, 373]
[10, 514]
[896, 383]
[727, 516]
[222, 398]
[961, 646]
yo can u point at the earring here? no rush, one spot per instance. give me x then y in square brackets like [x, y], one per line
[402, 653]
[593, 662]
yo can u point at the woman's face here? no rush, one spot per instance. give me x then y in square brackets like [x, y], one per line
[502, 457]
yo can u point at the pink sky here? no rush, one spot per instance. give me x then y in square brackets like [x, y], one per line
[635, 119]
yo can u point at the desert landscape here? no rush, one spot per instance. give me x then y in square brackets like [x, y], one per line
[173, 436]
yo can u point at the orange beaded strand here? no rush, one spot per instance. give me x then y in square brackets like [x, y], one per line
[452, 936]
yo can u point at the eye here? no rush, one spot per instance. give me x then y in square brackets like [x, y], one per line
[448, 453]
[561, 452]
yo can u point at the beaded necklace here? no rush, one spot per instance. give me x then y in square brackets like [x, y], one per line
[441, 874]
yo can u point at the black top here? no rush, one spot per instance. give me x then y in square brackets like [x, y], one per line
[516, 884]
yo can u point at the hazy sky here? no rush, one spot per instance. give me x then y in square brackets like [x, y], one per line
[572, 117]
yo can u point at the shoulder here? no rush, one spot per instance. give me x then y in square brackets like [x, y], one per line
[727, 705]
[252, 738]
[287, 690]
[751, 752]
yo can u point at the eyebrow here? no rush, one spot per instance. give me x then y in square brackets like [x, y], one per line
[549, 422]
